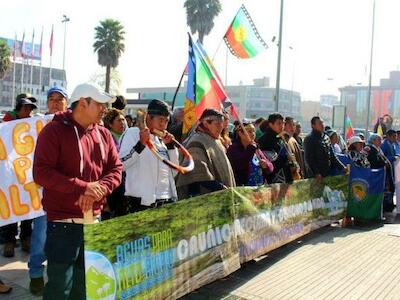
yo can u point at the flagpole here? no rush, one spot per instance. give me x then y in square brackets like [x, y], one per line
[176, 91]
[278, 71]
[22, 74]
[370, 71]
[226, 67]
[40, 67]
[32, 54]
[14, 67]
[51, 53]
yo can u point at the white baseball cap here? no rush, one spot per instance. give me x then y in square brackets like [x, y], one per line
[90, 90]
[355, 139]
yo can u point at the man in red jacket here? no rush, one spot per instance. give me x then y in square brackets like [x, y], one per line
[77, 164]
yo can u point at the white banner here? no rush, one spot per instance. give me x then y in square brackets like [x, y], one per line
[397, 183]
[20, 197]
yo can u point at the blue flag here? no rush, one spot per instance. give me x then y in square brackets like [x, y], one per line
[366, 193]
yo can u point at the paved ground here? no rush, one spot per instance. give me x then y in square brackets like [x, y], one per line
[360, 262]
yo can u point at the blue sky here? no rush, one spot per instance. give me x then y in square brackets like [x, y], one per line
[330, 39]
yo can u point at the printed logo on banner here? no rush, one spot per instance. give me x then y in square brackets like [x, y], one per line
[100, 277]
[359, 188]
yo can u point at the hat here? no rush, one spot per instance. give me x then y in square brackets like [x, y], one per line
[210, 113]
[58, 89]
[331, 132]
[89, 90]
[158, 108]
[27, 101]
[373, 137]
[355, 139]
[26, 96]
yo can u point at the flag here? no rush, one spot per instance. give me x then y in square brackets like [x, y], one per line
[40, 46]
[51, 41]
[349, 132]
[32, 54]
[204, 89]
[23, 46]
[366, 188]
[15, 48]
[379, 129]
[242, 37]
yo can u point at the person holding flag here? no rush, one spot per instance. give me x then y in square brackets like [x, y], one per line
[212, 169]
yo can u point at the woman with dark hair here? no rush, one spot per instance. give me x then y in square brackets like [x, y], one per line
[356, 154]
[248, 166]
[225, 139]
[114, 121]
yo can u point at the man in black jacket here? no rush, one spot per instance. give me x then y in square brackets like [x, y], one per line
[272, 145]
[320, 158]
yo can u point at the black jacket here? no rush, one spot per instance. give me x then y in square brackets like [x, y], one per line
[376, 158]
[269, 142]
[320, 158]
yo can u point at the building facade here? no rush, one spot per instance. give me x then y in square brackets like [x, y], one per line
[40, 84]
[252, 101]
[385, 99]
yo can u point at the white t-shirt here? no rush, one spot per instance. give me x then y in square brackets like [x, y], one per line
[163, 188]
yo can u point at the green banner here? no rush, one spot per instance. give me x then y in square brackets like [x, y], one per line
[167, 252]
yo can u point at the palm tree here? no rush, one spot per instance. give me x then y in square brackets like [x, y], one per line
[5, 61]
[200, 16]
[109, 45]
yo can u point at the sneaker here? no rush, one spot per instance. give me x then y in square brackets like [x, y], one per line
[36, 286]
[8, 250]
[26, 245]
[4, 288]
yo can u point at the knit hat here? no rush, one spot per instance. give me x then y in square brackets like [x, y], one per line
[355, 139]
[158, 108]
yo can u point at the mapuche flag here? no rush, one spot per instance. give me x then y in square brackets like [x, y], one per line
[349, 132]
[242, 37]
[366, 193]
[204, 87]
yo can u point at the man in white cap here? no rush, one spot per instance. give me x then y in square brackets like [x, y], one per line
[77, 165]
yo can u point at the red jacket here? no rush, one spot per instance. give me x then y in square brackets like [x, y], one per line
[64, 164]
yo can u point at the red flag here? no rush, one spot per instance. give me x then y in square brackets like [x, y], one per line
[23, 46]
[40, 47]
[15, 48]
[51, 41]
[32, 54]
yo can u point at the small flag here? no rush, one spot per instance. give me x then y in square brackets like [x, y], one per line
[32, 54]
[242, 37]
[40, 46]
[15, 48]
[51, 41]
[23, 46]
[349, 132]
[379, 129]
[204, 89]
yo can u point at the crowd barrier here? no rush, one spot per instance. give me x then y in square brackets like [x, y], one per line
[167, 252]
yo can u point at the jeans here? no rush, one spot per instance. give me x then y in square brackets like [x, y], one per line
[38, 240]
[10, 231]
[65, 262]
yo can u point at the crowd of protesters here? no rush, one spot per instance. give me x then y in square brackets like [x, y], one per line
[94, 160]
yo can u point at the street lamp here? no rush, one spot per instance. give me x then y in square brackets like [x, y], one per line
[65, 20]
[370, 71]
[278, 71]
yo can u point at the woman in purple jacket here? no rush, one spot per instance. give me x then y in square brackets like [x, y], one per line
[249, 164]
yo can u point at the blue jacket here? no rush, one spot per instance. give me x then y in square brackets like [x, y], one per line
[388, 150]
